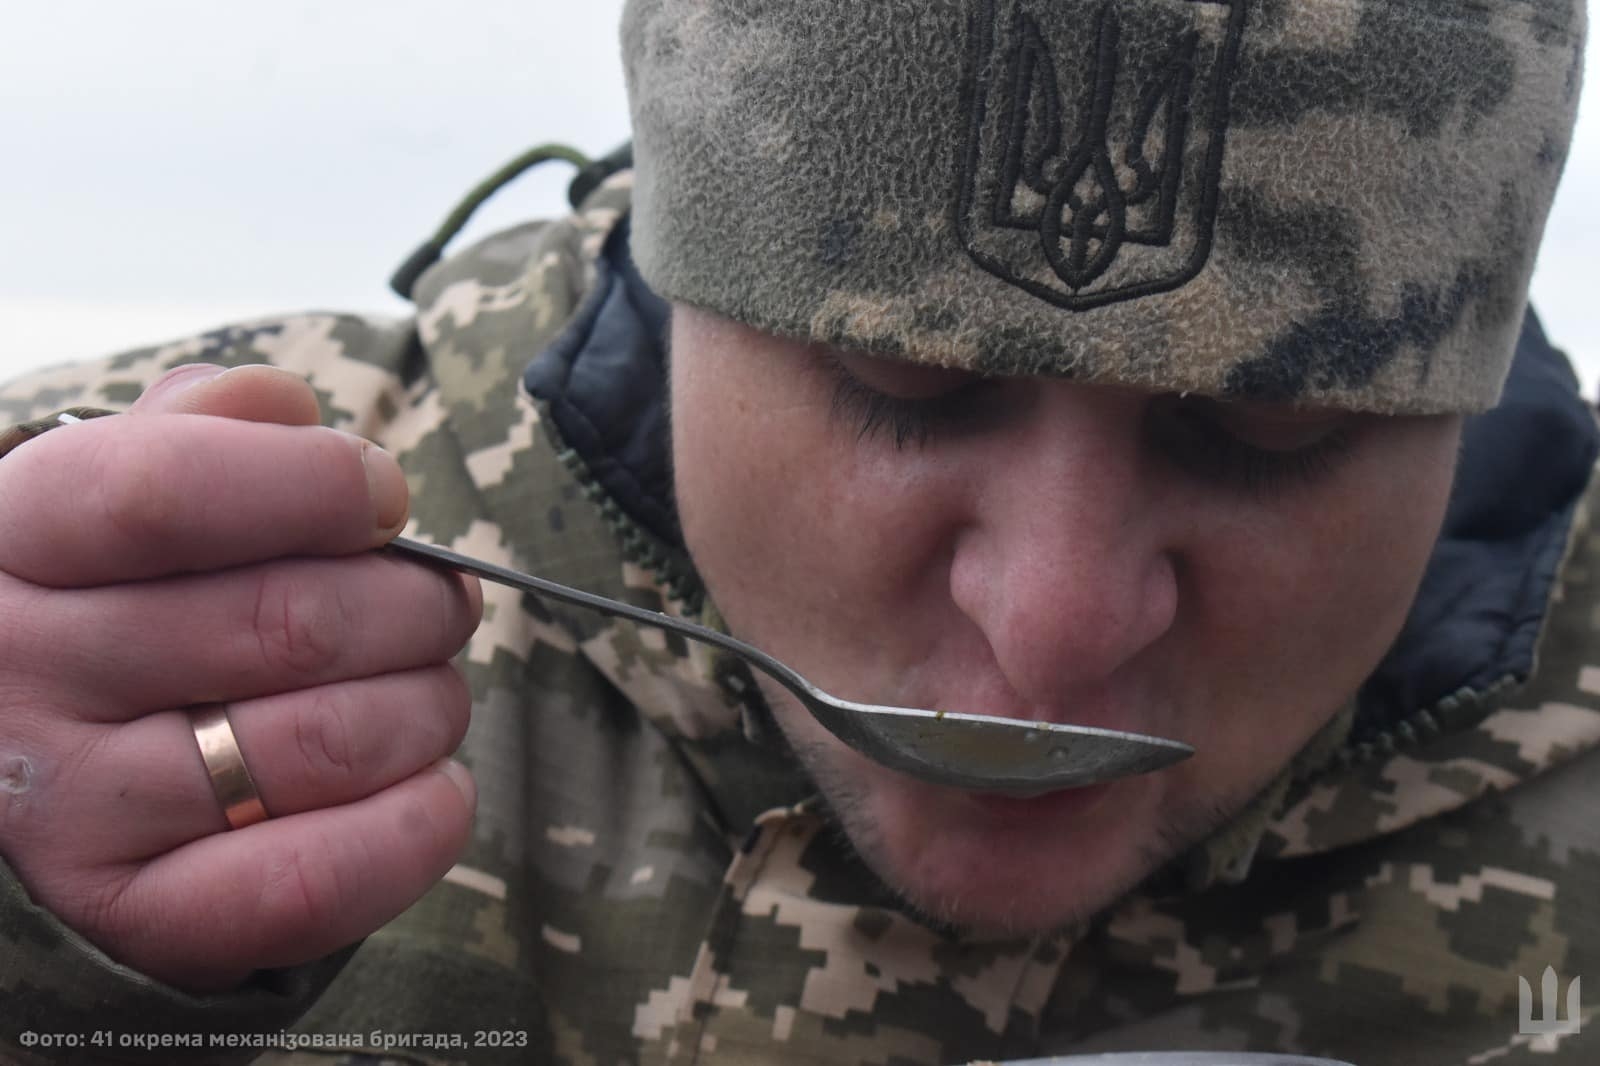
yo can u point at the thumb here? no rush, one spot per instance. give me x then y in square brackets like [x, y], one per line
[249, 393]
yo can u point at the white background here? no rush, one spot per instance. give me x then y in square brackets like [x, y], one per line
[169, 165]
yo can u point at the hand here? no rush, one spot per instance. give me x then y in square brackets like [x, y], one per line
[212, 547]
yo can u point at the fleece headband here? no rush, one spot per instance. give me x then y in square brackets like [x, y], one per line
[1331, 202]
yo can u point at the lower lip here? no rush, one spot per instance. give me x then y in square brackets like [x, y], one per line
[1063, 803]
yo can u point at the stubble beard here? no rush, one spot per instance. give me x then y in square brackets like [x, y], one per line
[846, 808]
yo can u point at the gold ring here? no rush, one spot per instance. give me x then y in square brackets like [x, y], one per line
[230, 777]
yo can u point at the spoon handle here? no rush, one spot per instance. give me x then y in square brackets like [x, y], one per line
[543, 587]
[959, 750]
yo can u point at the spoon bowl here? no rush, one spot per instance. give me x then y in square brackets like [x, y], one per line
[950, 748]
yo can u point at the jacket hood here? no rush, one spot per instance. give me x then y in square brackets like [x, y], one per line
[1462, 703]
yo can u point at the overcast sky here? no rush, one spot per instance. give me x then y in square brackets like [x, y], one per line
[174, 164]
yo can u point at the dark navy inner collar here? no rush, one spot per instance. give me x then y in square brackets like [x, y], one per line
[603, 383]
[1488, 584]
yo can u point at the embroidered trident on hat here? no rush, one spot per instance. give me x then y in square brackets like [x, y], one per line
[1092, 161]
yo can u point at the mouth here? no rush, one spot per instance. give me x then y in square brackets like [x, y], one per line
[984, 754]
[1104, 706]
[1026, 752]
[1029, 810]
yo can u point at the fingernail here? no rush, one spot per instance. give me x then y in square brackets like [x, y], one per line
[461, 777]
[263, 368]
[185, 377]
[386, 487]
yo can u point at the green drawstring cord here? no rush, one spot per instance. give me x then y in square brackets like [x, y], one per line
[405, 278]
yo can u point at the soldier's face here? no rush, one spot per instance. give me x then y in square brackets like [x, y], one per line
[1225, 576]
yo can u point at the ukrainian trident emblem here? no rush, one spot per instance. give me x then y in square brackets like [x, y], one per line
[1094, 150]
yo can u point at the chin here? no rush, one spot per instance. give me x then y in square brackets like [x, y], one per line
[995, 865]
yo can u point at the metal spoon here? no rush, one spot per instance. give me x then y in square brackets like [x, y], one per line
[969, 751]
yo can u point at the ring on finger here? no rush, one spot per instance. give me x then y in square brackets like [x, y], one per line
[230, 777]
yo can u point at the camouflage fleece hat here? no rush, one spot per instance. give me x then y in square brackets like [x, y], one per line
[1328, 201]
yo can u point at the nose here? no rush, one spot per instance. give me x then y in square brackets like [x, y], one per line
[1067, 563]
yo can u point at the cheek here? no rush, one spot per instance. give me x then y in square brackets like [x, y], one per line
[1306, 600]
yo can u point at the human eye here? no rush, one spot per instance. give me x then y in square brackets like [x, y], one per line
[905, 403]
[1261, 450]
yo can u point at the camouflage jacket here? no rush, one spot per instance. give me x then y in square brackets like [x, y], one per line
[650, 882]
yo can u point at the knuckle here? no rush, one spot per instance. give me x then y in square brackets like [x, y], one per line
[322, 737]
[299, 625]
[298, 892]
[130, 491]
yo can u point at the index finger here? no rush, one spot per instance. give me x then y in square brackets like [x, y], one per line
[121, 499]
